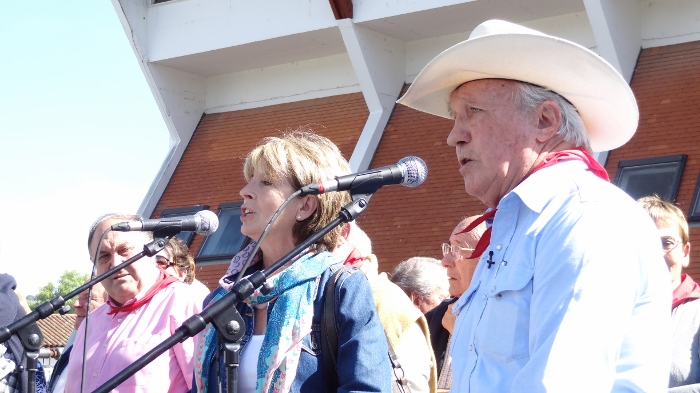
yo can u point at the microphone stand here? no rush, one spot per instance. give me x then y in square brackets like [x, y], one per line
[48, 308]
[216, 314]
[32, 340]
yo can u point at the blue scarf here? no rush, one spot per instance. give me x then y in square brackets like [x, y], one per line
[289, 321]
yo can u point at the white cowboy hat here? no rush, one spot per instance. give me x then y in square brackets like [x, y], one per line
[503, 50]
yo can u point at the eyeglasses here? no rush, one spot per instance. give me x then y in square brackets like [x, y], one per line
[454, 250]
[163, 262]
[669, 243]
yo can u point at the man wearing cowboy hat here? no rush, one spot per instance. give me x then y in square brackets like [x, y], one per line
[570, 292]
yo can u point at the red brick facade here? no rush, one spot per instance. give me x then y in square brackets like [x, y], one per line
[666, 83]
[405, 222]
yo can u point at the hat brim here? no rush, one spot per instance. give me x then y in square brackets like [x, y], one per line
[602, 97]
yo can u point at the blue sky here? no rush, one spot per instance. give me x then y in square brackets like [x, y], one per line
[80, 133]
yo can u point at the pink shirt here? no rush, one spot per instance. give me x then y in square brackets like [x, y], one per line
[115, 341]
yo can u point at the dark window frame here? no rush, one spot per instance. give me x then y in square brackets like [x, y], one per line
[694, 212]
[244, 240]
[186, 237]
[679, 159]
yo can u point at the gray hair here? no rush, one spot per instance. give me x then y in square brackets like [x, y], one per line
[421, 275]
[528, 96]
[115, 216]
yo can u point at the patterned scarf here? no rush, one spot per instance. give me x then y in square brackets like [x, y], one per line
[289, 321]
[549, 160]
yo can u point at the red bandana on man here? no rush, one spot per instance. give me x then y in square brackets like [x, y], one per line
[688, 290]
[164, 279]
[549, 160]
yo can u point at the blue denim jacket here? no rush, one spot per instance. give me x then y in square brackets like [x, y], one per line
[363, 362]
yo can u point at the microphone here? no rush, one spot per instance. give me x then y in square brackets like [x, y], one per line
[410, 171]
[203, 222]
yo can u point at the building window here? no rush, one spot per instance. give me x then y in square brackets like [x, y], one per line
[183, 211]
[694, 213]
[222, 245]
[648, 176]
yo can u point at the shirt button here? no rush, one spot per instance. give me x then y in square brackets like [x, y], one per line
[471, 348]
[94, 375]
[498, 297]
[483, 297]
[119, 320]
[498, 246]
[493, 289]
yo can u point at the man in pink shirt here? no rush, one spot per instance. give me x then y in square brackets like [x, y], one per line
[144, 307]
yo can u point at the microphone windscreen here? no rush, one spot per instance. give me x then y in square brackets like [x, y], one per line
[209, 222]
[416, 171]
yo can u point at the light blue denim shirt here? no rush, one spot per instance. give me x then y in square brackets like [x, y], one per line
[578, 299]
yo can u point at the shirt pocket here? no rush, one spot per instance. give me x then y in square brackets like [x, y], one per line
[506, 319]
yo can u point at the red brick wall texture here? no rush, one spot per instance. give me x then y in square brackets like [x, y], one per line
[666, 83]
[404, 222]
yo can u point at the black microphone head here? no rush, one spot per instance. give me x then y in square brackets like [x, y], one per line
[415, 171]
[208, 222]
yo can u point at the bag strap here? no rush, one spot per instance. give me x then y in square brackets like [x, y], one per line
[329, 332]
[400, 383]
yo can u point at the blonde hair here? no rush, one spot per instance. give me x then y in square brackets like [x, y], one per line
[302, 157]
[666, 212]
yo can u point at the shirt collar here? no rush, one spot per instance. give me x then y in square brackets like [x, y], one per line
[530, 190]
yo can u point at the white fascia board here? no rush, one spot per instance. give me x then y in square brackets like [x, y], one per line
[379, 64]
[299, 81]
[366, 10]
[670, 22]
[182, 28]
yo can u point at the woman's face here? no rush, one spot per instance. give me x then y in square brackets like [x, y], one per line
[261, 198]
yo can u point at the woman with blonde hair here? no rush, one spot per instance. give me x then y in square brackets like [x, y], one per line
[281, 348]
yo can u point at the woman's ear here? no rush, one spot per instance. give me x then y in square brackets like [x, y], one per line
[307, 207]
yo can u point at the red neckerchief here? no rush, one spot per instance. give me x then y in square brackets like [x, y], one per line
[354, 259]
[164, 279]
[688, 290]
[549, 160]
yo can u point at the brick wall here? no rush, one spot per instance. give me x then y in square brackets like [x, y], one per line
[666, 83]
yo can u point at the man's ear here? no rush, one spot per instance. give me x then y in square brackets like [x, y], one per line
[416, 299]
[548, 121]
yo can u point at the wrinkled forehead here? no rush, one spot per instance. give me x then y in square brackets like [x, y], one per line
[135, 239]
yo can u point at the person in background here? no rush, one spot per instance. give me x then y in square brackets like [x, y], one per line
[570, 292]
[98, 297]
[281, 347]
[685, 314]
[404, 325]
[460, 269]
[423, 280]
[144, 307]
[13, 361]
[176, 260]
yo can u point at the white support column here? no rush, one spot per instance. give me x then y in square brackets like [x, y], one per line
[616, 27]
[379, 64]
[179, 96]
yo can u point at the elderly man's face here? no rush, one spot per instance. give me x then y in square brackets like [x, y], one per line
[461, 269]
[116, 248]
[81, 303]
[493, 138]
